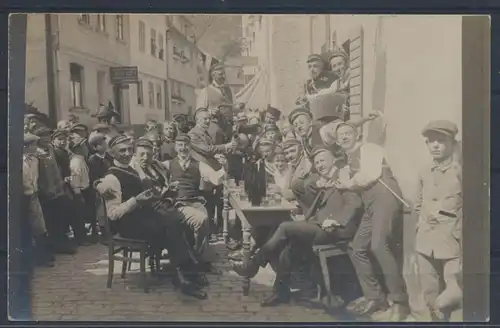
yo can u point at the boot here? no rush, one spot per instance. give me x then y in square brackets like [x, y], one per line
[280, 295]
[187, 288]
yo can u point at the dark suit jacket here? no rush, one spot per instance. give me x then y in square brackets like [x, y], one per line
[204, 147]
[345, 207]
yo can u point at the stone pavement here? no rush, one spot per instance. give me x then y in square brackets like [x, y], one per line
[75, 289]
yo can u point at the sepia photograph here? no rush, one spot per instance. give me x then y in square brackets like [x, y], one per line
[252, 167]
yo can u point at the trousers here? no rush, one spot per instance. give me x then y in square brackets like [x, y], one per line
[373, 242]
[214, 207]
[433, 271]
[291, 240]
[161, 229]
[59, 215]
[32, 206]
[195, 216]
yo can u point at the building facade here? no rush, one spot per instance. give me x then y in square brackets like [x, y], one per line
[182, 57]
[68, 63]
[148, 98]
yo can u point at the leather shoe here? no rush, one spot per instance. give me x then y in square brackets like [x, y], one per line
[234, 245]
[276, 298]
[187, 288]
[199, 280]
[372, 306]
[247, 269]
[399, 312]
[235, 256]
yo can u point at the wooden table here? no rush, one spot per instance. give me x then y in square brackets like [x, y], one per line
[252, 217]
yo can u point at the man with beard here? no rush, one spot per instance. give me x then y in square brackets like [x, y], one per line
[334, 219]
[130, 207]
[369, 174]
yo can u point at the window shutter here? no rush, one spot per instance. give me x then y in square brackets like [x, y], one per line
[356, 71]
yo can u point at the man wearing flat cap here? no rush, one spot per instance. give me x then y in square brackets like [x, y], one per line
[320, 77]
[78, 134]
[56, 204]
[31, 203]
[369, 174]
[439, 210]
[188, 174]
[333, 218]
[133, 214]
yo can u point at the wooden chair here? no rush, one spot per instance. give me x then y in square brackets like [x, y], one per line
[324, 252]
[128, 247]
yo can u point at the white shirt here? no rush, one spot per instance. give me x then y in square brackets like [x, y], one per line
[283, 179]
[80, 178]
[30, 174]
[115, 208]
[372, 158]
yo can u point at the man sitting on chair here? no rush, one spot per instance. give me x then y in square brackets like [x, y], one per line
[130, 208]
[332, 217]
[187, 173]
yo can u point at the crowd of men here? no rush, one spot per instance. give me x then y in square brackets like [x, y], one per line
[166, 187]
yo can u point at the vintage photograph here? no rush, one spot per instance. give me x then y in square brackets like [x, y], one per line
[292, 168]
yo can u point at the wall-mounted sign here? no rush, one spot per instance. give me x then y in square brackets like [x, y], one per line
[124, 75]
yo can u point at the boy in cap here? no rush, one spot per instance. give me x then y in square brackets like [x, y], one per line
[31, 202]
[56, 204]
[439, 228]
[84, 200]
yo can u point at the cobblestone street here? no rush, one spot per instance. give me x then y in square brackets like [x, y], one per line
[75, 289]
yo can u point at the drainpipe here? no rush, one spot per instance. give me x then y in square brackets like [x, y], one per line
[168, 98]
[49, 55]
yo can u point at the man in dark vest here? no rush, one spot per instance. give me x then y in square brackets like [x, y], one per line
[130, 209]
[333, 218]
[187, 173]
[369, 174]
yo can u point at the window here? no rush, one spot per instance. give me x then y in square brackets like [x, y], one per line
[101, 77]
[142, 36]
[101, 22]
[119, 27]
[140, 93]
[160, 46]
[76, 82]
[176, 90]
[153, 42]
[151, 93]
[84, 19]
[159, 97]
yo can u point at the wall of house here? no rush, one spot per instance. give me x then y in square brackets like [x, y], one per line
[36, 64]
[152, 68]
